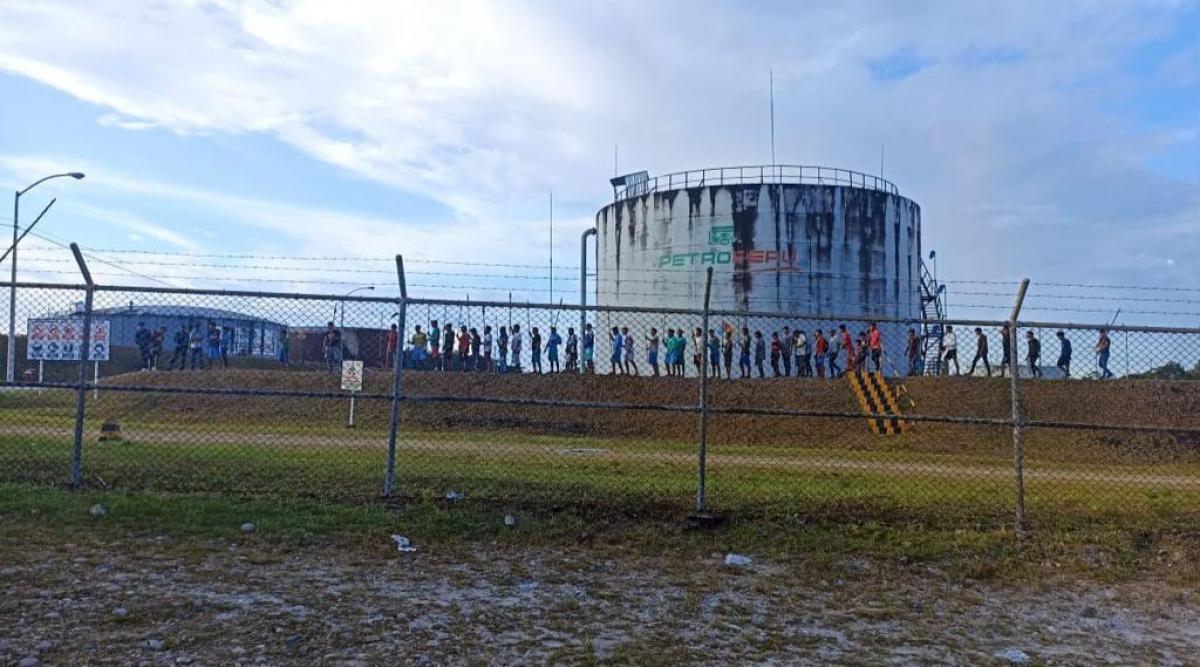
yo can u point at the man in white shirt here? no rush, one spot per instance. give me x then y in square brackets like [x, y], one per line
[950, 350]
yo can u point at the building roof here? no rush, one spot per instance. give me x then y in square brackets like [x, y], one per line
[167, 310]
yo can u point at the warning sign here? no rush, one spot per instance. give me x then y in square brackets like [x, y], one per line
[61, 339]
[352, 375]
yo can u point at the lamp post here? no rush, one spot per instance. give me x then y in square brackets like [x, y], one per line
[342, 320]
[10, 367]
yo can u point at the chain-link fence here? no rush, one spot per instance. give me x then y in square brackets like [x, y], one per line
[630, 409]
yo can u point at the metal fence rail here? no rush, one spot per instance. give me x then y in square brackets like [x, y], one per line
[689, 409]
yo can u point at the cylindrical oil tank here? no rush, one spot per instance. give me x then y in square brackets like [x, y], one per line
[790, 239]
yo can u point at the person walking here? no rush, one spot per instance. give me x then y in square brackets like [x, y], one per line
[553, 342]
[820, 350]
[420, 348]
[502, 348]
[227, 341]
[1005, 348]
[1033, 353]
[836, 343]
[861, 351]
[950, 350]
[535, 350]
[981, 353]
[1064, 354]
[681, 343]
[1103, 345]
[744, 353]
[776, 349]
[652, 350]
[848, 345]
[912, 351]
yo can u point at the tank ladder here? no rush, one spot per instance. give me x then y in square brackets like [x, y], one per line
[878, 401]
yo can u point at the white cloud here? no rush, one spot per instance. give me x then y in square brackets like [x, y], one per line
[1007, 134]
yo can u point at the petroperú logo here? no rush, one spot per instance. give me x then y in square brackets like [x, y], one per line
[721, 236]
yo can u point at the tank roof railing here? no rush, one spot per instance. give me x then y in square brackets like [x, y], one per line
[789, 174]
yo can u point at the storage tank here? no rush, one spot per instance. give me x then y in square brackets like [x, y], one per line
[796, 239]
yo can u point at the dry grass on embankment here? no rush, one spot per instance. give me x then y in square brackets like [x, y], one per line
[1170, 405]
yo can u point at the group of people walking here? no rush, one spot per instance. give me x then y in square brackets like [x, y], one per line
[948, 352]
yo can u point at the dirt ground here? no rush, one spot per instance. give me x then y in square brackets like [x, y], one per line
[174, 600]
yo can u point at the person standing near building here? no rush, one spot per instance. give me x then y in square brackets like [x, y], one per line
[1005, 348]
[476, 347]
[652, 344]
[1064, 354]
[285, 349]
[727, 352]
[836, 343]
[486, 348]
[572, 347]
[1103, 345]
[331, 342]
[393, 344]
[760, 353]
[213, 340]
[803, 354]
[699, 345]
[848, 345]
[950, 350]
[616, 355]
[420, 348]
[776, 349]
[181, 349]
[589, 349]
[227, 341]
[502, 348]
[435, 345]
[820, 350]
[141, 338]
[912, 351]
[464, 349]
[196, 347]
[535, 350]
[553, 342]
[631, 367]
[861, 351]
[875, 342]
[785, 351]
[981, 353]
[744, 342]
[1033, 353]
[157, 338]
[714, 354]
[515, 345]
[448, 347]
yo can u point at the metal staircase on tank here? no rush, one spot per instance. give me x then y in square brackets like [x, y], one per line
[933, 315]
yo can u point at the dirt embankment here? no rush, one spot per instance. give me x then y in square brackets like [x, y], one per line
[1170, 405]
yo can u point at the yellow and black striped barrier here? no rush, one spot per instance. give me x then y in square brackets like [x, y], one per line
[876, 398]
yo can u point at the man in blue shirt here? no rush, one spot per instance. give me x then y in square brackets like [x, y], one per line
[552, 344]
[1064, 354]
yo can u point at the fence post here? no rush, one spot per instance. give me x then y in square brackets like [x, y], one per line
[397, 380]
[81, 388]
[702, 482]
[1014, 367]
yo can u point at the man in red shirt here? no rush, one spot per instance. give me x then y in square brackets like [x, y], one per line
[848, 344]
[393, 340]
[875, 341]
[821, 347]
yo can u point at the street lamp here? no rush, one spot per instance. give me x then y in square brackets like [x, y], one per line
[342, 321]
[10, 368]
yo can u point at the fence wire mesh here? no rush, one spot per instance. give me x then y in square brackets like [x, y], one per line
[271, 394]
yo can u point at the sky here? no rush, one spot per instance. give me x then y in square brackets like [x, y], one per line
[1058, 141]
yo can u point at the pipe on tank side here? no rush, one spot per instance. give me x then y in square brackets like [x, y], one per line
[591, 231]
